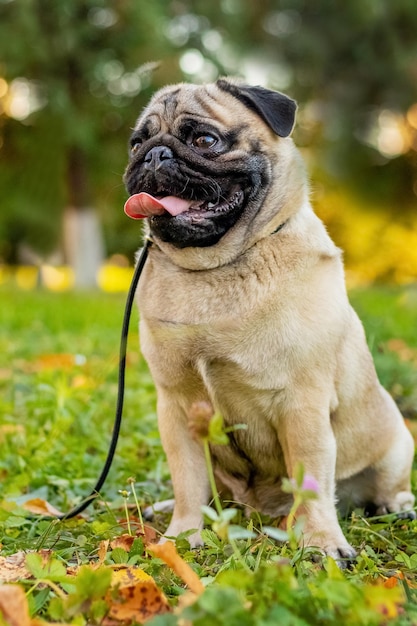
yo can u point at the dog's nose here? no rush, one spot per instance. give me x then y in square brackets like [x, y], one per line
[157, 156]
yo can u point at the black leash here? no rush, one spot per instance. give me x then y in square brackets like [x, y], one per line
[120, 389]
[121, 382]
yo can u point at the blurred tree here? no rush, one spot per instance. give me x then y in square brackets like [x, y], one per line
[72, 69]
[75, 82]
[353, 68]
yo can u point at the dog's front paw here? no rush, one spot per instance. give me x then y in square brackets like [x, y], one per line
[332, 544]
[179, 526]
[195, 540]
[343, 555]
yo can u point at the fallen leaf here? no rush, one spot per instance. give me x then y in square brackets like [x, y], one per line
[102, 551]
[14, 609]
[13, 606]
[13, 568]
[127, 576]
[148, 533]
[134, 597]
[385, 601]
[168, 553]
[394, 580]
[124, 541]
[58, 361]
[41, 507]
[391, 582]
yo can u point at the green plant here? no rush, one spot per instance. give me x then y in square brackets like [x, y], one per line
[55, 422]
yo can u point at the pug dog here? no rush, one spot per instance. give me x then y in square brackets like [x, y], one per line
[243, 305]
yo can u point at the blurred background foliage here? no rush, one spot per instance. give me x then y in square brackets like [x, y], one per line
[75, 74]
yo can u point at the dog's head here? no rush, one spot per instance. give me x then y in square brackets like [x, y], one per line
[206, 160]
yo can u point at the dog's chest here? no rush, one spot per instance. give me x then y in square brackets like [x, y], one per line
[233, 314]
[244, 346]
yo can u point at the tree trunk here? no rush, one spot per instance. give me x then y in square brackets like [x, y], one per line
[83, 239]
[83, 245]
[82, 236]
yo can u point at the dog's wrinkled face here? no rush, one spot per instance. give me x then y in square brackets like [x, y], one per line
[198, 161]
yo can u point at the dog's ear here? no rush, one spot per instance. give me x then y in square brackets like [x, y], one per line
[275, 108]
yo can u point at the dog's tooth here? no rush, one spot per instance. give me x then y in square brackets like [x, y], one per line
[211, 205]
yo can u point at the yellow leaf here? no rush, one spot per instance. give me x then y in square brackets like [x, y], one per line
[129, 576]
[135, 597]
[168, 553]
[383, 600]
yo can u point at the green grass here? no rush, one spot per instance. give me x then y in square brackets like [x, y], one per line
[64, 412]
[56, 417]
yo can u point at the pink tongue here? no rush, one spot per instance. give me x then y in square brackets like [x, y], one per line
[144, 205]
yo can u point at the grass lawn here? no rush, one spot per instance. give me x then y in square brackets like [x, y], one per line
[58, 380]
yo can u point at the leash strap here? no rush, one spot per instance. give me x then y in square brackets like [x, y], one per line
[121, 381]
[120, 388]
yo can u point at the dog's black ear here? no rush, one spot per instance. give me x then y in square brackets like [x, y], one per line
[275, 108]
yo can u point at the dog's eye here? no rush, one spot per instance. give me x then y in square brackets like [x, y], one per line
[204, 142]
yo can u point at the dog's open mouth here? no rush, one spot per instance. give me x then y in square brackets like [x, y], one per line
[142, 205]
[185, 222]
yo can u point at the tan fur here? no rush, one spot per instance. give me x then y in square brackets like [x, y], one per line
[260, 325]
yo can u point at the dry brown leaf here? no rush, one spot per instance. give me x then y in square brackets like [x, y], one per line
[149, 534]
[168, 553]
[14, 609]
[124, 541]
[13, 568]
[41, 507]
[102, 551]
[13, 606]
[134, 597]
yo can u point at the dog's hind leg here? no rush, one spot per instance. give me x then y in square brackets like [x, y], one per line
[384, 487]
[391, 477]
